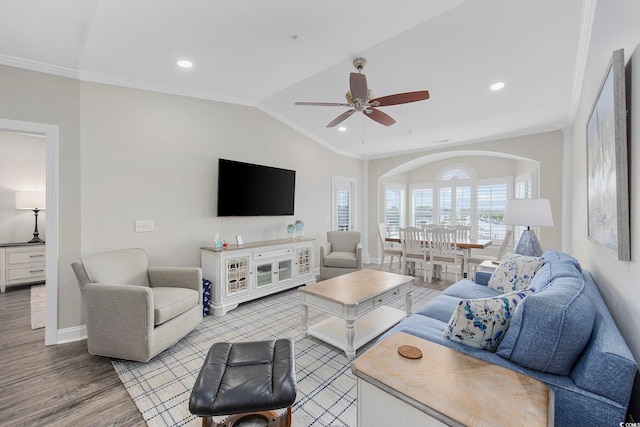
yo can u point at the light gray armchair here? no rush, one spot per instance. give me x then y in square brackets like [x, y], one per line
[134, 311]
[341, 254]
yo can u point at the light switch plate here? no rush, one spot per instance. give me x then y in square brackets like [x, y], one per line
[144, 226]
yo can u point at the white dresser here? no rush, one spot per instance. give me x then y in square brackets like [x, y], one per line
[256, 269]
[21, 263]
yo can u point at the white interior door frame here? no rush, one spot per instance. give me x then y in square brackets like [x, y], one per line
[50, 133]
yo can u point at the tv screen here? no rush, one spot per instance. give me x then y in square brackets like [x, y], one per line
[246, 189]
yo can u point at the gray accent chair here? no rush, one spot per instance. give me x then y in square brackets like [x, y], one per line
[341, 254]
[134, 311]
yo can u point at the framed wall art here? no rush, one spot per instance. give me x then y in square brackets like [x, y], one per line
[607, 166]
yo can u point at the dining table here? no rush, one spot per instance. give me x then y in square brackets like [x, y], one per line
[464, 244]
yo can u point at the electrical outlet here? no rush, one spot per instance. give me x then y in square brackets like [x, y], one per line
[144, 226]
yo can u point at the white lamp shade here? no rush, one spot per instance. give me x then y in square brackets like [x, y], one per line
[31, 200]
[528, 212]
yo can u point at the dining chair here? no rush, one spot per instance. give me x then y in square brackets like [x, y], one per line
[388, 248]
[443, 251]
[474, 261]
[414, 249]
[463, 232]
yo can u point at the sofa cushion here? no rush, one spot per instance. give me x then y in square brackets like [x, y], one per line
[550, 329]
[341, 260]
[467, 289]
[553, 270]
[124, 267]
[483, 322]
[343, 241]
[552, 255]
[514, 273]
[441, 308]
[171, 302]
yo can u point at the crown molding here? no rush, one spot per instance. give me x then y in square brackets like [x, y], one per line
[118, 81]
[586, 25]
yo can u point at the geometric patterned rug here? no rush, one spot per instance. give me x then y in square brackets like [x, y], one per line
[326, 387]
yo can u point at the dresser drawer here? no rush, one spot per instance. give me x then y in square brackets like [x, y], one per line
[25, 274]
[272, 253]
[21, 256]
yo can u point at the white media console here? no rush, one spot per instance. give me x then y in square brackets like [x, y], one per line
[256, 269]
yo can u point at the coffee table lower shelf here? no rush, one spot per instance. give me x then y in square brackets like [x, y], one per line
[333, 329]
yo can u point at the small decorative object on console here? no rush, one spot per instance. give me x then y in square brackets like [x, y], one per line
[299, 228]
[291, 229]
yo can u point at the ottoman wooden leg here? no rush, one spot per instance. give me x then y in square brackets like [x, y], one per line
[272, 417]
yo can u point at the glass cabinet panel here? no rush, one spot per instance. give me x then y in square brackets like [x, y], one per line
[264, 275]
[284, 270]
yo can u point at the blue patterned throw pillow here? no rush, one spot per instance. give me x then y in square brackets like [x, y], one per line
[483, 322]
[514, 273]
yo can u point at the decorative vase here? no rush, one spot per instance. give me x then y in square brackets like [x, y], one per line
[291, 229]
[299, 228]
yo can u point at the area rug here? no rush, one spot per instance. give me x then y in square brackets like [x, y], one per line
[38, 302]
[326, 387]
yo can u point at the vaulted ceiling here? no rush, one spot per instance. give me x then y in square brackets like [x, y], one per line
[270, 54]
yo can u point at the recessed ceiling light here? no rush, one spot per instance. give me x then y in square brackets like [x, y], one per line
[497, 86]
[184, 63]
[342, 129]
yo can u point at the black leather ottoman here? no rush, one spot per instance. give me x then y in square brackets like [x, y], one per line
[246, 380]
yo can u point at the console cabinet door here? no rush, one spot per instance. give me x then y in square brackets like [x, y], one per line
[236, 275]
[304, 261]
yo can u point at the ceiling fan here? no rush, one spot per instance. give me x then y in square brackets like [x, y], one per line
[359, 99]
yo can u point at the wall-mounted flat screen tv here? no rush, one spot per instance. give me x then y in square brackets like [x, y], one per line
[246, 189]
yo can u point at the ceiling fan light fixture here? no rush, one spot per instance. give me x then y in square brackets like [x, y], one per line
[342, 129]
[497, 86]
[184, 63]
[360, 99]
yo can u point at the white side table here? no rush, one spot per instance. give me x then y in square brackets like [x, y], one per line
[489, 266]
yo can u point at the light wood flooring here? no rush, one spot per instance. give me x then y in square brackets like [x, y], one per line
[60, 385]
[64, 385]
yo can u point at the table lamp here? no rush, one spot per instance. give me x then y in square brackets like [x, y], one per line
[528, 212]
[35, 201]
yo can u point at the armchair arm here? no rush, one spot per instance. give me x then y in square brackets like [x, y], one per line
[359, 255]
[325, 249]
[482, 277]
[118, 310]
[177, 277]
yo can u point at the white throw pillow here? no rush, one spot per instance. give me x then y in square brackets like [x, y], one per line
[514, 272]
[482, 322]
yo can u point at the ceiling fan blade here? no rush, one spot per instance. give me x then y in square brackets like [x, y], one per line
[324, 104]
[358, 86]
[400, 98]
[342, 117]
[379, 116]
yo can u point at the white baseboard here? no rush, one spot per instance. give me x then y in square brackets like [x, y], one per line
[76, 333]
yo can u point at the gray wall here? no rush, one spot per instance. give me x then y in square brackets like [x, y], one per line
[41, 98]
[128, 154]
[615, 26]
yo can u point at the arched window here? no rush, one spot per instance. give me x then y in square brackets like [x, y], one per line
[457, 172]
[458, 197]
[455, 195]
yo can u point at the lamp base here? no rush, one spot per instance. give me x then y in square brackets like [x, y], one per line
[528, 244]
[36, 234]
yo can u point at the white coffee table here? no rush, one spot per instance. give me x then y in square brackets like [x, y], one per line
[357, 302]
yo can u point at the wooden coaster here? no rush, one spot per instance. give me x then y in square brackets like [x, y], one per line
[410, 352]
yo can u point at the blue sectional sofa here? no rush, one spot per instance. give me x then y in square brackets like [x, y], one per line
[563, 335]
